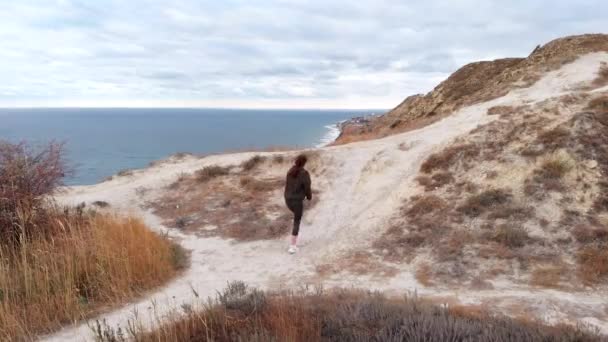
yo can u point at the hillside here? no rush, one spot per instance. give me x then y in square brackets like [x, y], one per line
[475, 83]
[492, 196]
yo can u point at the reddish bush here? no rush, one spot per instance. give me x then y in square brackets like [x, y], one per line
[27, 175]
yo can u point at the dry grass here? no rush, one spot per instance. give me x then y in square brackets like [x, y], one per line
[477, 204]
[91, 261]
[506, 111]
[210, 172]
[358, 263]
[423, 205]
[549, 176]
[448, 157]
[547, 276]
[252, 163]
[230, 204]
[599, 106]
[244, 314]
[557, 165]
[435, 181]
[593, 263]
[589, 234]
[554, 139]
[602, 76]
[511, 236]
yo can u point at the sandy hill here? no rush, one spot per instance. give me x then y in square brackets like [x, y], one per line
[475, 83]
[491, 192]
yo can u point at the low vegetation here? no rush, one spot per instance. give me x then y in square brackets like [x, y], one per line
[448, 157]
[241, 313]
[516, 194]
[210, 172]
[59, 265]
[602, 76]
[238, 202]
[252, 162]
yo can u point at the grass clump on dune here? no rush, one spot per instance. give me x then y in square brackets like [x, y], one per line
[59, 266]
[241, 313]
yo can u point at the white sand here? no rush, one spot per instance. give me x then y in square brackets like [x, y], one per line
[366, 183]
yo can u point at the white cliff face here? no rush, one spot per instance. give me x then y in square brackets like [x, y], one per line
[363, 186]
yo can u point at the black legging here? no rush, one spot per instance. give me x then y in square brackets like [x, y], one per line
[297, 208]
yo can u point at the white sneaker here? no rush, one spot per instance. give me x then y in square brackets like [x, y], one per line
[292, 249]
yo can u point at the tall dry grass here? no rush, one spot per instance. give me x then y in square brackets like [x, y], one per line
[244, 314]
[90, 262]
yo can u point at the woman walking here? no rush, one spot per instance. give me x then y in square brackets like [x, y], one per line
[297, 187]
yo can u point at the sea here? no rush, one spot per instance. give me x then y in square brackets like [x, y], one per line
[101, 142]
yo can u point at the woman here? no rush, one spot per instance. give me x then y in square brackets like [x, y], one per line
[297, 187]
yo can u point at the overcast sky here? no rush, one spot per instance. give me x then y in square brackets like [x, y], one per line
[263, 53]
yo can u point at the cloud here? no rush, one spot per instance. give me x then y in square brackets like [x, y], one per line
[308, 53]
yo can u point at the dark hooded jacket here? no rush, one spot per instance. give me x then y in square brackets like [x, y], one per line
[297, 185]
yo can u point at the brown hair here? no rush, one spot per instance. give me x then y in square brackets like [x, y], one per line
[297, 165]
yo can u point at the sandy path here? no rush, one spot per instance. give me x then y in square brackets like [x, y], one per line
[366, 184]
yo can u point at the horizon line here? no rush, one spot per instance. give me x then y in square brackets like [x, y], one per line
[193, 107]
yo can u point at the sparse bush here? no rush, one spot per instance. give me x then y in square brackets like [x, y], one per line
[255, 185]
[513, 237]
[278, 159]
[424, 205]
[593, 263]
[101, 204]
[557, 165]
[435, 181]
[252, 163]
[342, 315]
[602, 76]
[478, 204]
[512, 212]
[27, 176]
[448, 157]
[554, 139]
[505, 111]
[588, 234]
[210, 172]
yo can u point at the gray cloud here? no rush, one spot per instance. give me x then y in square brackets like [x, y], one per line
[311, 53]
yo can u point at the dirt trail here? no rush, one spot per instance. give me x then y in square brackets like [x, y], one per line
[366, 183]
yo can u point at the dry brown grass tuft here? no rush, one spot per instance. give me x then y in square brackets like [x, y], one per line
[90, 262]
[593, 263]
[243, 314]
[547, 276]
[423, 205]
[260, 185]
[252, 163]
[511, 236]
[476, 205]
[548, 177]
[602, 76]
[448, 157]
[554, 139]
[588, 234]
[557, 165]
[599, 105]
[278, 159]
[210, 172]
[435, 181]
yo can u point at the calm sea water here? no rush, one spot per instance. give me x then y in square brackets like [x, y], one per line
[101, 142]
